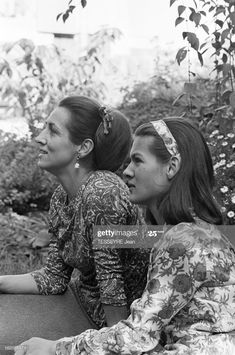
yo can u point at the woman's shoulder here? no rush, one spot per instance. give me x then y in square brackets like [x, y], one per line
[199, 233]
[105, 180]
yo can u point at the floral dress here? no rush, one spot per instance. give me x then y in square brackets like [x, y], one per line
[106, 276]
[188, 305]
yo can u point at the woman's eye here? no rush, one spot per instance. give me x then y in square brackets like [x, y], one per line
[136, 160]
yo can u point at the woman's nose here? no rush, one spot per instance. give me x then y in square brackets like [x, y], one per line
[128, 172]
[41, 138]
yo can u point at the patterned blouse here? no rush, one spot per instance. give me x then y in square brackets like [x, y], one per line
[188, 305]
[109, 276]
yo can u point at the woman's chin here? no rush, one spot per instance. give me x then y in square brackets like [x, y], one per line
[42, 164]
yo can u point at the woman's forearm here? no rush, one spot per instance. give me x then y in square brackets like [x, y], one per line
[18, 284]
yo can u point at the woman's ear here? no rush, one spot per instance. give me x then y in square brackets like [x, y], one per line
[86, 147]
[173, 166]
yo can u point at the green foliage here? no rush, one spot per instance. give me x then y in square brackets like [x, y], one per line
[223, 152]
[23, 185]
[65, 15]
[17, 253]
[34, 78]
[219, 42]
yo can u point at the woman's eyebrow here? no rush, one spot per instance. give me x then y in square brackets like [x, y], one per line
[136, 154]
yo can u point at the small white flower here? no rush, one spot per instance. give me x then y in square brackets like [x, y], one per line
[230, 214]
[229, 165]
[233, 146]
[222, 162]
[222, 155]
[230, 135]
[224, 144]
[223, 209]
[224, 189]
[214, 132]
[220, 136]
[233, 198]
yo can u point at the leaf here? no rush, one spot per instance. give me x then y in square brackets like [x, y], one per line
[195, 17]
[200, 58]
[185, 34]
[224, 34]
[219, 23]
[177, 99]
[203, 45]
[205, 28]
[203, 13]
[216, 45]
[84, 3]
[190, 88]
[181, 9]
[172, 2]
[191, 72]
[224, 58]
[193, 40]
[58, 16]
[217, 35]
[181, 54]
[65, 16]
[71, 8]
[211, 8]
[220, 9]
[232, 17]
[178, 20]
[232, 99]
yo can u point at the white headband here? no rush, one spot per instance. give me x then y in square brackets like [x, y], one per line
[167, 137]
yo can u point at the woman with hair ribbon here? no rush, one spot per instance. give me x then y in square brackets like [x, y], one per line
[82, 144]
[188, 305]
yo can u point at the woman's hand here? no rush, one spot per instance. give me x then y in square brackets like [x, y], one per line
[36, 346]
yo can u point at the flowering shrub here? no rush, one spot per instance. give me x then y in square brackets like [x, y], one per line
[223, 153]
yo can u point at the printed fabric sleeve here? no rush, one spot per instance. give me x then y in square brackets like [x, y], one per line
[108, 205]
[172, 282]
[54, 277]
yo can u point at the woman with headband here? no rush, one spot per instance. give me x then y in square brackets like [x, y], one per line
[188, 305]
[82, 144]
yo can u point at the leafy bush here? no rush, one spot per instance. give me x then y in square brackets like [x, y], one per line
[223, 153]
[23, 185]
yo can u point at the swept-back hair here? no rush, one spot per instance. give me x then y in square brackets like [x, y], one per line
[110, 150]
[191, 190]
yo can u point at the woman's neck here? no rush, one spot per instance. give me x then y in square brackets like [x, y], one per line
[73, 180]
[156, 214]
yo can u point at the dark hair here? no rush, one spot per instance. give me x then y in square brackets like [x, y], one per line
[192, 186]
[110, 150]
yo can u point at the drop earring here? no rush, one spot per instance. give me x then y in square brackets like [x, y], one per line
[77, 162]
